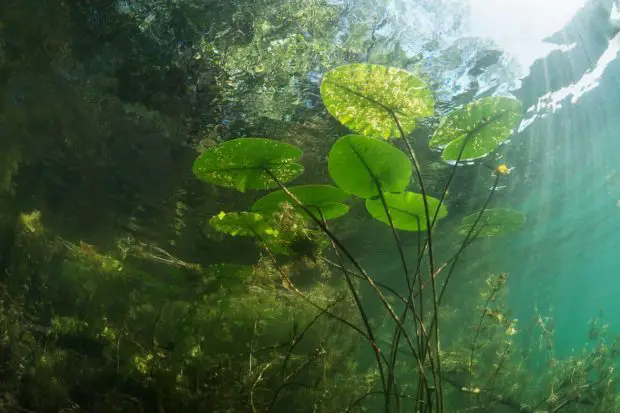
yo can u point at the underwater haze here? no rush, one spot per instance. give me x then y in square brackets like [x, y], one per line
[309, 206]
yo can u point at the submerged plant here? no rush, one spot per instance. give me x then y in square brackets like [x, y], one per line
[382, 105]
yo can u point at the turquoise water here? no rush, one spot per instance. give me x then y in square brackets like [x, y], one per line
[568, 255]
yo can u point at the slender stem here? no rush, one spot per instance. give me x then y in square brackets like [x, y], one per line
[368, 336]
[485, 311]
[502, 359]
[368, 279]
[452, 174]
[468, 237]
[290, 285]
[297, 338]
[391, 366]
[354, 274]
[429, 240]
[394, 350]
[465, 243]
[386, 385]
[342, 248]
[441, 200]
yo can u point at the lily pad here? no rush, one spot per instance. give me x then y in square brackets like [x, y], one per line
[406, 210]
[242, 223]
[361, 165]
[322, 200]
[246, 163]
[364, 98]
[481, 126]
[493, 222]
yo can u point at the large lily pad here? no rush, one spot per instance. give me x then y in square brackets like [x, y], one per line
[493, 222]
[242, 224]
[322, 201]
[406, 210]
[364, 98]
[481, 126]
[246, 163]
[361, 165]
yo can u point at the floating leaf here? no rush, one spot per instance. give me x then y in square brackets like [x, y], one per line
[322, 200]
[246, 163]
[242, 223]
[359, 164]
[406, 210]
[481, 126]
[364, 98]
[494, 221]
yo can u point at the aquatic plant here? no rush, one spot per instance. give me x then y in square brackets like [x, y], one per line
[382, 104]
[242, 339]
[497, 361]
[116, 327]
[102, 109]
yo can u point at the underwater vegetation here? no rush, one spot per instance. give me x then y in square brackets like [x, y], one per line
[133, 280]
[382, 105]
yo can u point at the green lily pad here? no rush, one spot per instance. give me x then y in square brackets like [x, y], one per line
[364, 98]
[481, 126]
[242, 223]
[493, 222]
[322, 200]
[246, 163]
[361, 165]
[406, 210]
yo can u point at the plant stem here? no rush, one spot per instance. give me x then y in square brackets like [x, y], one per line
[368, 279]
[434, 333]
[468, 237]
[491, 297]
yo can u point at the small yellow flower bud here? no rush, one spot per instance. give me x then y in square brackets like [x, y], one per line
[502, 169]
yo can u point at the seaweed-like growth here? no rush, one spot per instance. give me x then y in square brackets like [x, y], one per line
[491, 363]
[237, 340]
